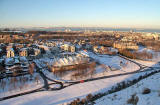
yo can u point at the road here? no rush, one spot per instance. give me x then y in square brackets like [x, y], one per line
[45, 79]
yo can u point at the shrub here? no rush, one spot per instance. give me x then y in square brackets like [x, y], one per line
[159, 93]
[89, 97]
[74, 102]
[83, 101]
[133, 100]
[146, 91]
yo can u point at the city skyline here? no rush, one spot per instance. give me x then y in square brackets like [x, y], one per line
[86, 13]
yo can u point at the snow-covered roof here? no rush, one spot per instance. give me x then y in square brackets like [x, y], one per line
[23, 58]
[9, 61]
[1, 60]
[85, 53]
[22, 49]
[10, 49]
[78, 46]
[45, 47]
[16, 61]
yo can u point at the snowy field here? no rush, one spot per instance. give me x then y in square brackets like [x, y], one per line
[15, 85]
[121, 97]
[156, 54]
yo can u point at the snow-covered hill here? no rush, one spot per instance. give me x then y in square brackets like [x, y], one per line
[124, 97]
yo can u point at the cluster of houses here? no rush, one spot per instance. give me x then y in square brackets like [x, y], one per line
[17, 64]
[105, 50]
[152, 36]
[130, 38]
[23, 51]
[16, 57]
[56, 45]
[125, 45]
[141, 37]
[130, 41]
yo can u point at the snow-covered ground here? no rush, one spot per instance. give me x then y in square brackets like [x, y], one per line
[121, 97]
[114, 62]
[15, 85]
[148, 63]
[156, 54]
[70, 93]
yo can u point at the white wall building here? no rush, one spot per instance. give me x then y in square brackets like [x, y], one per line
[10, 53]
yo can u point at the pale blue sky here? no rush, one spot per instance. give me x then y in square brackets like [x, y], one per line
[91, 13]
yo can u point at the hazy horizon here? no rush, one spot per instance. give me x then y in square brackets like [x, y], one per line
[83, 13]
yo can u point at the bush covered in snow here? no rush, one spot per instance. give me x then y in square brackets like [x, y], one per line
[133, 100]
[146, 91]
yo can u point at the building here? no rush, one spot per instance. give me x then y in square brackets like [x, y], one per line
[1, 37]
[19, 46]
[68, 47]
[154, 36]
[65, 47]
[95, 48]
[98, 48]
[72, 48]
[23, 52]
[125, 45]
[78, 47]
[88, 47]
[36, 52]
[10, 53]
[54, 49]
[5, 36]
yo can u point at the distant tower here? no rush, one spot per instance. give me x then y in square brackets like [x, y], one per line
[67, 30]
[131, 31]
